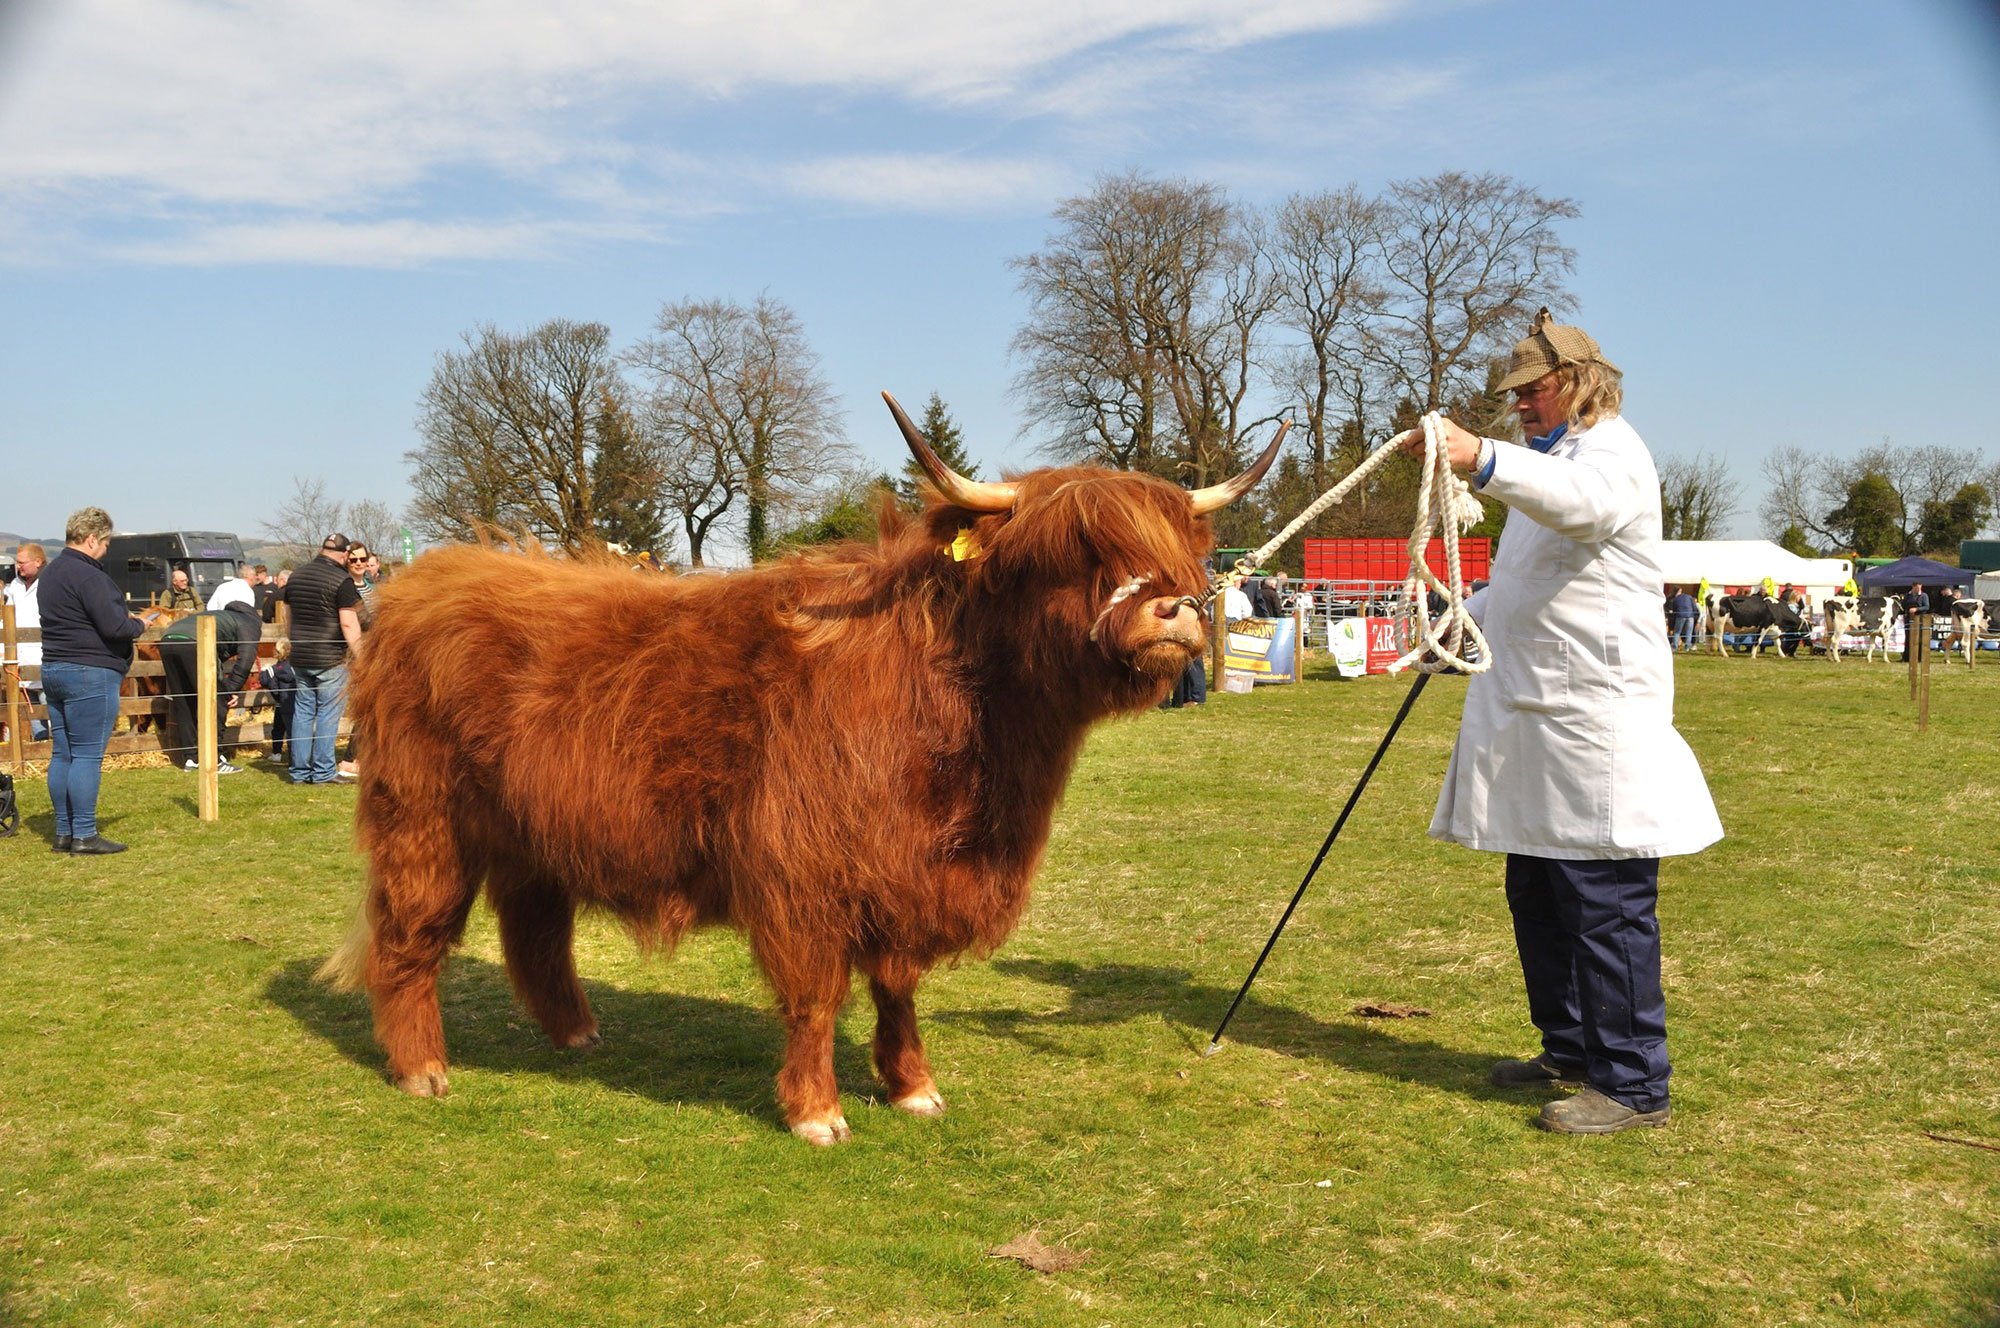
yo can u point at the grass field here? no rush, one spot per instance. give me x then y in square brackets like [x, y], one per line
[192, 1132]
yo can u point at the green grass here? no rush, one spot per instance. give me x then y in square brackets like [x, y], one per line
[193, 1132]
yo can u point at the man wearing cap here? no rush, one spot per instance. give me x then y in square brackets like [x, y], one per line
[1567, 759]
[325, 635]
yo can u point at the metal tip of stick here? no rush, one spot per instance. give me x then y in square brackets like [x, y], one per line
[1213, 1047]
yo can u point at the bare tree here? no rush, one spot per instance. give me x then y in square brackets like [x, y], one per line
[1467, 260]
[1697, 496]
[377, 526]
[509, 428]
[1879, 498]
[1141, 345]
[306, 518]
[701, 479]
[738, 408]
[1796, 494]
[1326, 252]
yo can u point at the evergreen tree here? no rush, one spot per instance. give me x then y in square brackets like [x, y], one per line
[1949, 521]
[626, 482]
[848, 512]
[946, 441]
[1793, 540]
[1871, 518]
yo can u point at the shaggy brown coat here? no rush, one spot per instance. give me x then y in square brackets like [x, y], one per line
[852, 756]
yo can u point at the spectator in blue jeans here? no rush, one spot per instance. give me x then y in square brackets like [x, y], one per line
[1684, 614]
[325, 635]
[86, 652]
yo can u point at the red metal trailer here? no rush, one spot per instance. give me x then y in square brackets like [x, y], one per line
[1387, 560]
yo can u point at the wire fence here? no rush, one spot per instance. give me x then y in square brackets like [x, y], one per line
[145, 700]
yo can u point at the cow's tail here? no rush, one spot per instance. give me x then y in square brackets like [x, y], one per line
[347, 967]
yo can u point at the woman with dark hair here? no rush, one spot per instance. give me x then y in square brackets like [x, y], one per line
[86, 652]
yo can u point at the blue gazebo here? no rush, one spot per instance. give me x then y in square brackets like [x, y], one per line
[1907, 572]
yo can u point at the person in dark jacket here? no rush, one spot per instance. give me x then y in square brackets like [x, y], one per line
[86, 652]
[181, 596]
[1916, 605]
[237, 631]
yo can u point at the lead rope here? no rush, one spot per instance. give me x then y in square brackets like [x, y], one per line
[1454, 640]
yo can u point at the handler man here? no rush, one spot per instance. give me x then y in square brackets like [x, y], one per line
[1567, 759]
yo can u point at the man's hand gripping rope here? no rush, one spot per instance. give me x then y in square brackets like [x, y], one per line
[1454, 640]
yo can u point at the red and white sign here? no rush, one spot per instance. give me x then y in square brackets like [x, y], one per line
[1385, 643]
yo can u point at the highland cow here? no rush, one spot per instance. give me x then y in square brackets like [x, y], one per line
[853, 756]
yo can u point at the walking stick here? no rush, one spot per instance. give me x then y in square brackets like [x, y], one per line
[1416, 689]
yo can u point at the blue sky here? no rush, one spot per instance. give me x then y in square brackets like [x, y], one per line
[234, 236]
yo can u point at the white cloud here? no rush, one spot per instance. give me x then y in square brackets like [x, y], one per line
[390, 244]
[114, 110]
[924, 183]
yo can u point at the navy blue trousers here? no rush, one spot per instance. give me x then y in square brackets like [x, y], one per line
[1589, 937]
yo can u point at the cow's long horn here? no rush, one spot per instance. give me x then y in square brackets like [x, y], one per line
[975, 495]
[1217, 496]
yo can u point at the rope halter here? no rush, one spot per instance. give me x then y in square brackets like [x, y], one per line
[1118, 596]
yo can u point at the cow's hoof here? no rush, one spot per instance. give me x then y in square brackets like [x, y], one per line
[923, 1102]
[430, 1081]
[581, 1040]
[823, 1134]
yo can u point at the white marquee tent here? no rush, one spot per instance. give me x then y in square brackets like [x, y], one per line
[1747, 562]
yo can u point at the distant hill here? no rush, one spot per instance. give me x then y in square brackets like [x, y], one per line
[9, 542]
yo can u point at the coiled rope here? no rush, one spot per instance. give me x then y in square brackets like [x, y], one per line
[1453, 640]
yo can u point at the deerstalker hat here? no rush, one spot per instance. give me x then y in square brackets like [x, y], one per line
[1548, 346]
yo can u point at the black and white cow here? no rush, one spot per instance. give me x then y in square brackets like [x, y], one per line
[1879, 616]
[1840, 616]
[1873, 617]
[1968, 624]
[1767, 619]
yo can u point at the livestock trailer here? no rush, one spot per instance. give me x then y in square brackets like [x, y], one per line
[143, 565]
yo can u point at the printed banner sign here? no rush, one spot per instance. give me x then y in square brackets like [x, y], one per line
[1263, 648]
[1385, 643]
[1347, 639]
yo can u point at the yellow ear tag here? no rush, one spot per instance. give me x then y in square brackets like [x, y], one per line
[964, 546]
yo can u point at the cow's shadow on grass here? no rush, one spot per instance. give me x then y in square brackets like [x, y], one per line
[1115, 993]
[674, 1048]
[665, 1046]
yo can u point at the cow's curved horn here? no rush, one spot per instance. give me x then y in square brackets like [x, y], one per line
[1217, 496]
[976, 495]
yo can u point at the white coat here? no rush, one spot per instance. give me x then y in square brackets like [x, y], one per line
[1567, 748]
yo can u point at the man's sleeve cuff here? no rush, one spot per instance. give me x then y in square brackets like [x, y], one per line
[1492, 459]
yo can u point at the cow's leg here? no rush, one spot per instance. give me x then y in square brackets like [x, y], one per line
[899, 1047]
[419, 895]
[811, 986]
[537, 923]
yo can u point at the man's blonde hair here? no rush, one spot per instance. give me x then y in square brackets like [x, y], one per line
[31, 550]
[1590, 391]
[87, 523]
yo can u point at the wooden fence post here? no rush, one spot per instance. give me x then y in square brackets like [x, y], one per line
[1298, 642]
[1218, 643]
[1924, 679]
[207, 800]
[10, 678]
